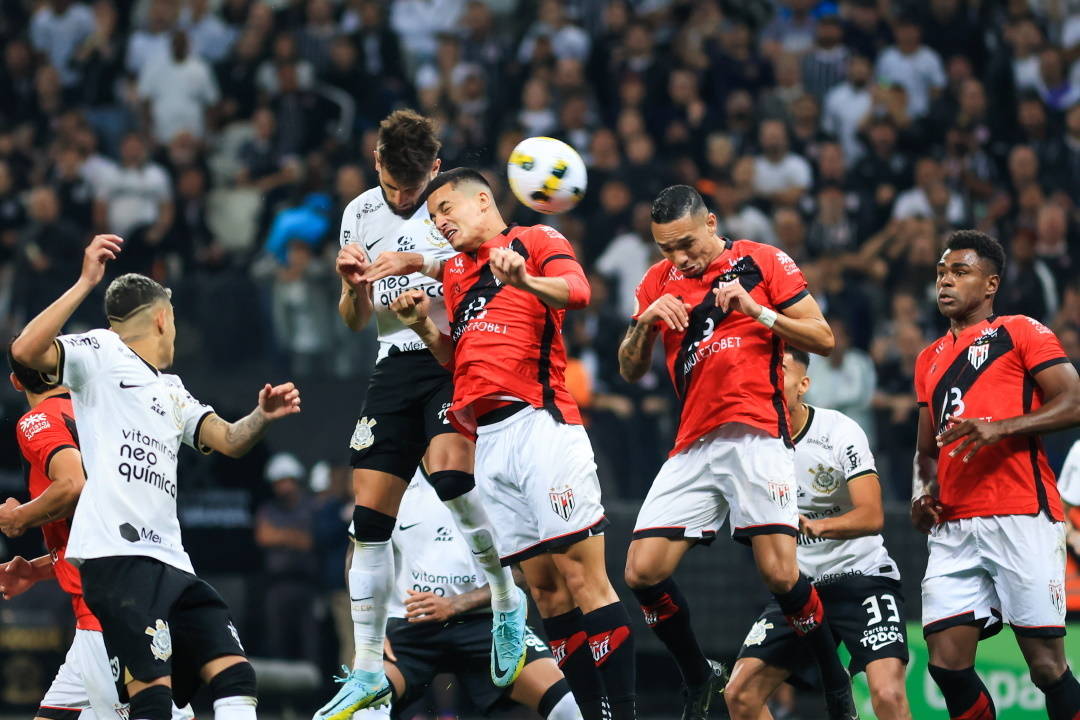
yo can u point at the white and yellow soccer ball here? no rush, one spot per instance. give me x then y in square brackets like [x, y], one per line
[547, 175]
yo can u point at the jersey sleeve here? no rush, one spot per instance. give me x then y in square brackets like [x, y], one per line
[348, 231]
[81, 357]
[852, 451]
[784, 281]
[192, 414]
[922, 396]
[553, 256]
[1069, 479]
[648, 290]
[41, 436]
[1038, 345]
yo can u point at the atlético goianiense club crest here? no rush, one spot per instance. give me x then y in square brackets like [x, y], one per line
[562, 502]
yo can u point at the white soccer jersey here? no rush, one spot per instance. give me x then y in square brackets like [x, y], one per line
[831, 451]
[1069, 478]
[131, 421]
[429, 553]
[370, 223]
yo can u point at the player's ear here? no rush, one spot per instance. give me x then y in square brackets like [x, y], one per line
[804, 385]
[15, 383]
[435, 166]
[710, 222]
[378, 165]
[992, 284]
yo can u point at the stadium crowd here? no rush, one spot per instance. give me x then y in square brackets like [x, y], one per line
[224, 139]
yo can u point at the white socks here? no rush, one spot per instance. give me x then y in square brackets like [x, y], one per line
[473, 522]
[239, 707]
[371, 581]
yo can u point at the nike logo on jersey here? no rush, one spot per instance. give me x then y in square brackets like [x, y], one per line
[369, 597]
[406, 527]
[128, 387]
[372, 244]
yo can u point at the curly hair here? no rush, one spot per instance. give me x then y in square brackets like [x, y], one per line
[407, 146]
[985, 246]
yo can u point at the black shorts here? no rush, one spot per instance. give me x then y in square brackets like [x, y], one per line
[866, 612]
[405, 408]
[157, 620]
[461, 647]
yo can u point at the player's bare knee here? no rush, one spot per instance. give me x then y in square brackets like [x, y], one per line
[638, 575]
[1046, 670]
[551, 598]
[889, 700]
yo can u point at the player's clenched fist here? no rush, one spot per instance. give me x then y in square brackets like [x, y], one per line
[508, 267]
[393, 263]
[411, 307]
[926, 513]
[669, 310]
[101, 250]
[733, 297]
[351, 264]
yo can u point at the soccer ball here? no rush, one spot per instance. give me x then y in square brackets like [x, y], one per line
[546, 175]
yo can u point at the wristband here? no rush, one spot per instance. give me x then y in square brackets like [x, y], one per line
[767, 317]
[431, 266]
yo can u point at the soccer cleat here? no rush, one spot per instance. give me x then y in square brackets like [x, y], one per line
[360, 689]
[508, 643]
[840, 705]
[698, 698]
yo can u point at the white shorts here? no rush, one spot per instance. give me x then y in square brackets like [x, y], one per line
[736, 469]
[538, 481]
[86, 682]
[989, 569]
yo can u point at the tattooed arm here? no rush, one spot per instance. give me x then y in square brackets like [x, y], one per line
[236, 438]
[635, 352]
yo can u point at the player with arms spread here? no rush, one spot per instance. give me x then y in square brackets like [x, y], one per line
[724, 309]
[49, 445]
[404, 416]
[842, 551]
[137, 578]
[983, 488]
[507, 292]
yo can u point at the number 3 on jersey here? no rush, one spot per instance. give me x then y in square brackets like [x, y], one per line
[873, 609]
[953, 407]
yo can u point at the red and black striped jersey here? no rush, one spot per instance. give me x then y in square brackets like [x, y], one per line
[726, 366]
[507, 342]
[45, 430]
[988, 372]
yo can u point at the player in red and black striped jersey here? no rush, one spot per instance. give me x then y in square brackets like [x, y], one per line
[725, 310]
[507, 292]
[983, 488]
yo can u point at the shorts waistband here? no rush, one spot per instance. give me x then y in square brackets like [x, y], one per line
[500, 414]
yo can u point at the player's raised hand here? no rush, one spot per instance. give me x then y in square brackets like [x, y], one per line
[973, 434]
[16, 577]
[427, 607]
[9, 524]
[411, 307]
[733, 297]
[393, 263]
[926, 513]
[101, 250]
[508, 267]
[278, 401]
[670, 310]
[351, 264]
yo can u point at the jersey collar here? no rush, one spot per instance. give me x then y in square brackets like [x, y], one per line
[806, 426]
[977, 327]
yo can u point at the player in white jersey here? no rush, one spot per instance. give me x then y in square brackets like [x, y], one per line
[440, 621]
[840, 548]
[404, 415]
[165, 629]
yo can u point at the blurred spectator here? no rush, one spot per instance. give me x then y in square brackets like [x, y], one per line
[51, 250]
[73, 190]
[211, 39]
[418, 22]
[567, 39]
[844, 381]
[865, 30]
[179, 90]
[283, 529]
[791, 234]
[100, 62]
[1027, 285]
[737, 218]
[895, 407]
[149, 44]
[284, 53]
[791, 30]
[57, 29]
[238, 77]
[883, 172]
[192, 240]
[314, 39]
[826, 64]
[536, 116]
[334, 500]
[626, 259]
[776, 102]
[780, 176]
[847, 104]
[135, 195]
[1052, 242]
[832, 231]
[921, 200]
[913, 65]
[1054, 85]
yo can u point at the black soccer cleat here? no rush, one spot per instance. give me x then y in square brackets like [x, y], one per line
[840, 705]
[698, 698]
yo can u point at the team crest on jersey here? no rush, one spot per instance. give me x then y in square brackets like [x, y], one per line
[363, 436]
[780, 493]
[114, 668]
[1057, 596]
[434, 237]
[31, 425]
[562, 502]
[977, 354]
[160, 640]
[825, 480]
[757, 633]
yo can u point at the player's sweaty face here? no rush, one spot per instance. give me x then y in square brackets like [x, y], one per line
[963, 282]
[455, 211]
[402, 198]
[689, 243]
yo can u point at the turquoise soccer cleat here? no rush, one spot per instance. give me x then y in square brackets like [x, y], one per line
[360, 689]
[508, 643]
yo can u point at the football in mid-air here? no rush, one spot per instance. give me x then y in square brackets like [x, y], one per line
[546, 175]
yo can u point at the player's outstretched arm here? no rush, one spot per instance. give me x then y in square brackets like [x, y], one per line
[567, 290]
[866, 517]
[236, 438]
[800, 324]
[925, 507]
[635, 351]
[412, 308]
[403, 263]
[35, 345]
[57, 502]
[354, 305]
[429, 607]
[19, 574]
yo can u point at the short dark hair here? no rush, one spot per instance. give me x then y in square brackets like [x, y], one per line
[407, 145]
[676, 202]
[800, 356]
[131, 292]
[28, 377]
[985, 246]
[456, 176]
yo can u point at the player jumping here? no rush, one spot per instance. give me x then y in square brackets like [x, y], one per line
[125, 538]
[404, 416]
[841, 549]
[983, 488]
[725, 310]
[507, 292]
